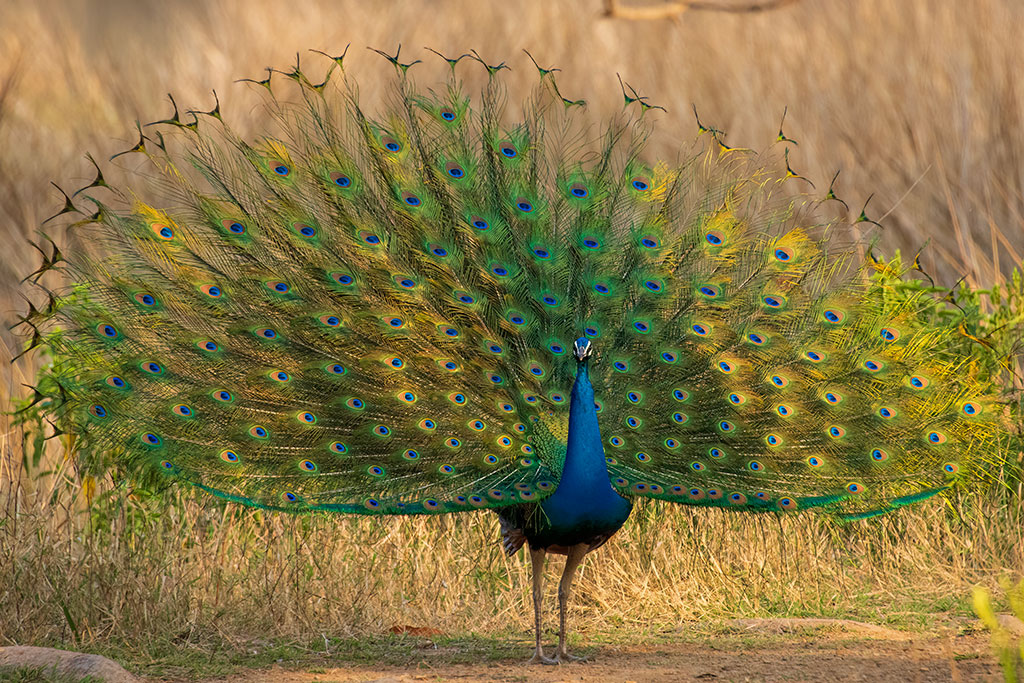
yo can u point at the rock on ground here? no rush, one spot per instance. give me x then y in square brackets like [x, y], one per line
[69, 664]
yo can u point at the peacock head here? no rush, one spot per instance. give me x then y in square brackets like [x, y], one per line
[582, 348]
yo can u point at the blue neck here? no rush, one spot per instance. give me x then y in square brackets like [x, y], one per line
[584, 457]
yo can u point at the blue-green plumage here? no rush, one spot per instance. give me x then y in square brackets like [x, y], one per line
[584, 509]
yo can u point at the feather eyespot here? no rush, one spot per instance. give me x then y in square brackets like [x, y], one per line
[715, 494]
[971, 408]
[212, 291]
[182, 410]
[343, 279]
[787, 504]
[508, 150]
[680, 418]
[709, 291]
[728, 367]
[355, 403]
[369, 238]
[936, 438]
[879, 455]
[151, 439]
[233, 226]
[669, 356]
[96, 410]
[785, 410]
[438, 250]
[394, 322]
[382, 430]
[951, 468]
[918, 382]
[815, 461]
[330, 320]
[447, 113]
[304, 229]
[697, 466]
[774, 301]
[671, 443]
[591, 243]
[335, 369]
[145, 298]
[783, 254]
[222, 395]
[780, 381]
[680, 395]
[266, 333]
[258, 432]
[649, 242]
[228, 455]
[773, 440]
[411, 199]
[151, 367]
[375, 471]
[834, 316]
[306, 417]
[655, 286]
[162, 231]
[342, 180]
[694, 493]
[700, 329]
[715, 238]
[579, 191]
[524, 204]
[107, 330]
[407, 397]
[411, 454]
[207, 345]
[855, 488]
[737, 498]
[427, 424]
[390, 144]
[278, 287]
[873, 365]
[889, 334]
[541, 252]
[479, 223]
[116, 382]
[279, 168]
[836, 432]
[815, 356]
[454, 170]
[640, 183]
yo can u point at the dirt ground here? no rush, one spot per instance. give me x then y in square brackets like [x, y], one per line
[775, 651]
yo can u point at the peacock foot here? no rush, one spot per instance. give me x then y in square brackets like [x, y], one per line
[539, 658]
[566, 658]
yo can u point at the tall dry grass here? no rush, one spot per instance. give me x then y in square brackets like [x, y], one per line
[916, 102]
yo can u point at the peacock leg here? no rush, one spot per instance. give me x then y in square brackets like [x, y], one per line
[573, 559]
[537, 555]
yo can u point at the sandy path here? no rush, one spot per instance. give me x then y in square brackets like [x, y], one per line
[829, 655]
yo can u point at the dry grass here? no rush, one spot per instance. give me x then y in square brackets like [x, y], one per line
[917, 102]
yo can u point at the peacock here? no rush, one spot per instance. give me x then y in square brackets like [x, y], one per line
[459, 304]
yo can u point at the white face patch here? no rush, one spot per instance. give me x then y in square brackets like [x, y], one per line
[582, 348]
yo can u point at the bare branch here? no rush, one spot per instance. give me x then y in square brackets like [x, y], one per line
[613, 9]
